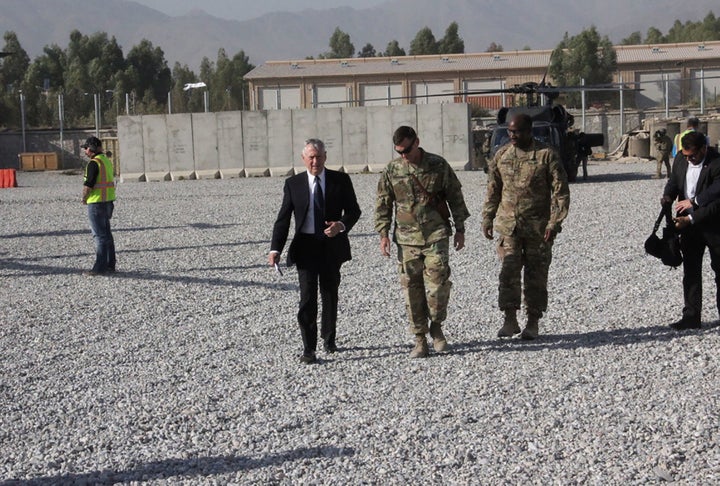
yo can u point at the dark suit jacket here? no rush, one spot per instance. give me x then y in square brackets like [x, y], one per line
[706, 215]
[340, 205]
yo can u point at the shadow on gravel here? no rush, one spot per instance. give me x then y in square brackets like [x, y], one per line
[47, 233]
[595, 339]
[188, 468]
[622, 177]
[33, 270]
[199, 226]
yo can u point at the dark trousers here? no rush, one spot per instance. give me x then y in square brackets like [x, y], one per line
[317, 268]
[693, 245]
[100, 214]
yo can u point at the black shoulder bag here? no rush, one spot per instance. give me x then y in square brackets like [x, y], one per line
[667, 248]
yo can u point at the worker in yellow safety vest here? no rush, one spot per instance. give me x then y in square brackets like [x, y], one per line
[99, 196]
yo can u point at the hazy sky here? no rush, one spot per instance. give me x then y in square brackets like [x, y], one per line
[248, 9]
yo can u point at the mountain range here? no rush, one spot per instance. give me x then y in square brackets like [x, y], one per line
[284, 36]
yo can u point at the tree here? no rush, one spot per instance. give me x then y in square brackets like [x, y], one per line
[452, 43]
[423, 43]
[633, 39]
[151, 76]
[493, 47]
[393, 49]
[654, 36]
[185, 101]
[367, 51]
[585, 56]
[12, 73]
[340, 45]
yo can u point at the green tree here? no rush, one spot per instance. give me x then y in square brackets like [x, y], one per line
[585, 56]
[452, 43]
[12, 73]
[185, 101]
[393, 49]
[654, 36]
[493, 47]
[367, 51]
[150, 73]
[340, 45]
[633, 39]
[423, 43]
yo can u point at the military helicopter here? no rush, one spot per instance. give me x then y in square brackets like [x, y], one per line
[552, 124]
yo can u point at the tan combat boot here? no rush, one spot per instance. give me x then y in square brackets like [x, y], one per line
[421, 347]
[531, 330]
[439, 342]
[510, 325]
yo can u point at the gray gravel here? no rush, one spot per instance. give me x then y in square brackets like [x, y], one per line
[183, 368]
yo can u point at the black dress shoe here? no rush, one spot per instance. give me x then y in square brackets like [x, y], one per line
[330, 347]
[685, 323]
[308, 358]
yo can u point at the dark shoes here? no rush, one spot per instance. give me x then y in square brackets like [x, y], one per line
[308, 358]
[686, 323]
[330, 348]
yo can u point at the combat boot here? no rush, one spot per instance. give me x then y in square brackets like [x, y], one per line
[510, 325]
[421, 347]
[531, 330]
[439, 342]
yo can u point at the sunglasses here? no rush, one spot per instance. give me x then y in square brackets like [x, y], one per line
[407, 149]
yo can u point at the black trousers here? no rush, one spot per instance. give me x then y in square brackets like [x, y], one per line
[693, 244]
[317, 268]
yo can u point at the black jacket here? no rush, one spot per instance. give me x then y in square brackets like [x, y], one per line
[340, 205]
[706, 213]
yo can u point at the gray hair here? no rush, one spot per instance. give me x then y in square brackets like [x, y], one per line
[318, 144]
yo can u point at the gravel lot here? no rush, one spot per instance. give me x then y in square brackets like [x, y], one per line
[183, 368]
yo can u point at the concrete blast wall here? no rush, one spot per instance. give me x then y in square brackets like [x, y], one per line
[268, 143]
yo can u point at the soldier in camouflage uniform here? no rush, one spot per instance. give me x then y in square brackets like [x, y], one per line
[663, 145]
[528, 199]
[418, 187]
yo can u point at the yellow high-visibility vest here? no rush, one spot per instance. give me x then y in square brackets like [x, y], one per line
[677, 147]
[104, 188]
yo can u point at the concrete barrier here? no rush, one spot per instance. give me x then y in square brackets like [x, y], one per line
[280, 147]
[205, 146]
[131, 148]
[265, 143]
[180, 146]
[256, 138]
[231, 157]
[155, 148]
[354, 140]
[713, 132]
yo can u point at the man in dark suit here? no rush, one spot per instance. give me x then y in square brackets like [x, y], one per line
[695, 183]
[325, 208]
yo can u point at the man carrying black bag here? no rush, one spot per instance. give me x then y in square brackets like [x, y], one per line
[667, 248]
[695, 184]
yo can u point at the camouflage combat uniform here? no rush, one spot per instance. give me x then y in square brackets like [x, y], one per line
[527, 193]
[422, 235]
[663, 145]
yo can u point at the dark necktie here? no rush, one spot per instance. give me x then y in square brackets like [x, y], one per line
[319, 209]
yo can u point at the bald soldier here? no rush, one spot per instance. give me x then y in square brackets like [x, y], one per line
[417, 187]
[527, 200]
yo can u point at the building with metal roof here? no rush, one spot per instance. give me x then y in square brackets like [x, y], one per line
[682, 73]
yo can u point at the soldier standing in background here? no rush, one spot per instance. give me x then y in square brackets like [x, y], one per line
[528, 199]
[418, 187]
[663, 145]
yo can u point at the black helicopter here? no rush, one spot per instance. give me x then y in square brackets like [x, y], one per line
[552, 124]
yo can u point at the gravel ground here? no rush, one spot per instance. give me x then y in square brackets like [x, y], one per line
[183, 368]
